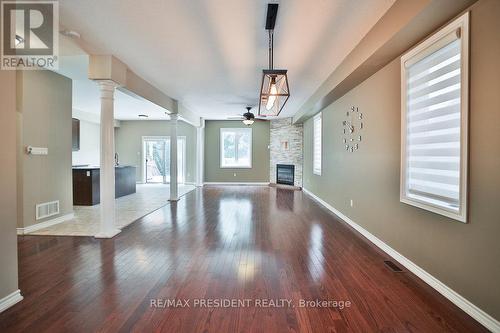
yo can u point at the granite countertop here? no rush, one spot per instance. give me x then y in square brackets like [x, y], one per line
[93, 167]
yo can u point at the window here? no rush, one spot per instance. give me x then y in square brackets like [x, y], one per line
[235, 147]
[317, 140]
[434, 122]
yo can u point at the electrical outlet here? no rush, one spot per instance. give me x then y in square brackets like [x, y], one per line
[234, 174]
[352, 203]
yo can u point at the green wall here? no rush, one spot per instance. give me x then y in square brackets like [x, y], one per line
[8, 196]
[260, 153]
[466, 257]
[44, 120]
[128, 142]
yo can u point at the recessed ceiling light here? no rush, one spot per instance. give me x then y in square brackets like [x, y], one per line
[70, 33]
[143, 116]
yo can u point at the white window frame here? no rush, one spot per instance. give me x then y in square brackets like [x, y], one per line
[221, 147]
[428, 46]
[318, 169]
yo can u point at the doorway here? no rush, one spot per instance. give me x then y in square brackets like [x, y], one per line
[156, 159]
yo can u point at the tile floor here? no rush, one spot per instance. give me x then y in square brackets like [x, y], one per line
[148, 198]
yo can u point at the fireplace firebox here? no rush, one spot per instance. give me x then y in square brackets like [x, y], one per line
[285, 174]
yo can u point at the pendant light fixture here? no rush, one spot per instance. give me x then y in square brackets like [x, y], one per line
[274, 90]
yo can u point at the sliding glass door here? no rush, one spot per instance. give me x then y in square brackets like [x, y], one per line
[157, 159]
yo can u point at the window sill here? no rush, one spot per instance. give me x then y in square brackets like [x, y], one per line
[459, 216]
[235, 167]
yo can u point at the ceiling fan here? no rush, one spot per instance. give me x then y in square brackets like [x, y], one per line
[248, 117]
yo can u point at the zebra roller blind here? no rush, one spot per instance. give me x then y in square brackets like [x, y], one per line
[435, 118]
[317, 138]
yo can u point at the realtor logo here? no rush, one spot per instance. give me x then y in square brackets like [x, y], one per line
[29, 34]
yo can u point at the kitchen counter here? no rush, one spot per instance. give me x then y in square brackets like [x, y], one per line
[86, 183]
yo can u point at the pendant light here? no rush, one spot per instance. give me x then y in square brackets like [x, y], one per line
[274, 90]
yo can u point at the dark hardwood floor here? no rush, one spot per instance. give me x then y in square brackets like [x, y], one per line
[230, 242]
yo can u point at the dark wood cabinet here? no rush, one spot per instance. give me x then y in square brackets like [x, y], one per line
[86, 184]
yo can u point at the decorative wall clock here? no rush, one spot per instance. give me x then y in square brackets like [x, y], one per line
[353, 124]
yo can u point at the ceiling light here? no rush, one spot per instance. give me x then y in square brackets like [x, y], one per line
[274, 90]
[70, 33]
[248, 117]
[248, 122]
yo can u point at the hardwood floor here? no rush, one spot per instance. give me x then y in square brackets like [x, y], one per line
[244, 243]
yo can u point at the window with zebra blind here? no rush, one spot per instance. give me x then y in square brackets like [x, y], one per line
[317, 143]
[434, 82]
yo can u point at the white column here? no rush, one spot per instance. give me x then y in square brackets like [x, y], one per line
[174, 196]
[200, 151]
[107, 171]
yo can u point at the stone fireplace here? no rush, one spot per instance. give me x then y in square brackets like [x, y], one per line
[286, 148]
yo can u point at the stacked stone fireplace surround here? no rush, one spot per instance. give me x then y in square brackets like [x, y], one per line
[286, 147]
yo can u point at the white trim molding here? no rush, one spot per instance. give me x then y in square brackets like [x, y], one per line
[38, 226]
[472, 310]
[10, 300]
[236, 183]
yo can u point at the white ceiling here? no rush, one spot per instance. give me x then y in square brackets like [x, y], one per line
[86, 95]
[209, 54]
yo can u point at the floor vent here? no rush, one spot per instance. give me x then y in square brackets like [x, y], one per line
[392, 266]
[47, 209]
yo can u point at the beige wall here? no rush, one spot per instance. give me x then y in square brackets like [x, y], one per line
[128, 141]
[8, 202]
[44, 120]
[260, 153]
[466, 257]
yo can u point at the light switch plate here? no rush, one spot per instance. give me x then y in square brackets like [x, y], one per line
[37, 150]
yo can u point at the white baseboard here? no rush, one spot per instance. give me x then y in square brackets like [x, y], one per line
[238, 183]
[38, 226]
[472, 310]
[10, 300]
